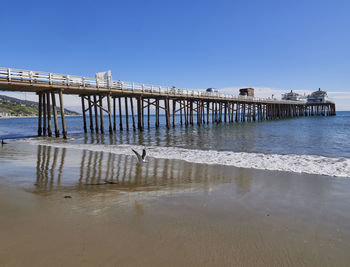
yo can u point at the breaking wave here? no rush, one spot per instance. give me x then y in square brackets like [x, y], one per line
[310, 164]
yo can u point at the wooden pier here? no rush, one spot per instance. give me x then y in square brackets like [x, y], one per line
[179, 106]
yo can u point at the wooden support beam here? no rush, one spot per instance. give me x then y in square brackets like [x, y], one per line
[109, 114]
[181, 107]
[232, 111]
[217, 106]
[54, 111]
[126, 113]
[222, 110]
[40, 114]
[244, 112]
[132, 113]
[114, 115]
[203, 111]
[260, 116]
[185, 112]
[120, 114]
[255, 109]
[96, 114]
[101, 115]
[90, 115]
[250, 111]
[157, 113]
[49, 130]
[64, 129]
[208, 111]
[143, 112]
[167, 115]
[213, 112]
[174, 110]
[82, 109]
[191, 112]
[198, 112]
[229, 111]
[279, 110]
[148, 113]
[139, 113]
[188, 112]
[247, 112]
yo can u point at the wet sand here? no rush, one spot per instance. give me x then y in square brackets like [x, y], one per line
[164, 213]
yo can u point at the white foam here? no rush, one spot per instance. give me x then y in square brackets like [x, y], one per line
[311, 164]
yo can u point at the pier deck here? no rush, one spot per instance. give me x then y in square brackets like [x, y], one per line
[208, 106]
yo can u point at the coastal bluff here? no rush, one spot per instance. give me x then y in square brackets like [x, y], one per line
[14, 107]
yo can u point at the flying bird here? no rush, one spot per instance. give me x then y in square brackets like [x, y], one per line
[139, 157]
[3, 143]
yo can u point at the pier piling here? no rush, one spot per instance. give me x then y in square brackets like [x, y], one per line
[64, 129]
[40, 114]
[55, 119]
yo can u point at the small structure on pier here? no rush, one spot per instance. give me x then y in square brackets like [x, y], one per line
[211, 90]
[318, 97]
[293, 96]
[104, 78]
[246, 92]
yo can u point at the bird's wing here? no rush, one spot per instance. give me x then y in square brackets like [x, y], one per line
[144, 154]
[137, 155]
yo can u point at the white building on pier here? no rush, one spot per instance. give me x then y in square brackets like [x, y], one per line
[292, 96]
[318, 97]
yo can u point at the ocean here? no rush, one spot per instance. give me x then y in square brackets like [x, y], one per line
[314, 145]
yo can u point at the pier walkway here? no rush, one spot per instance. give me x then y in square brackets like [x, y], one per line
[136, 99]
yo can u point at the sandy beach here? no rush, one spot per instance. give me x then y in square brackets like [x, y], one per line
[62, 207]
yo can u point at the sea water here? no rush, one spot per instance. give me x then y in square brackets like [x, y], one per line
[315, 145]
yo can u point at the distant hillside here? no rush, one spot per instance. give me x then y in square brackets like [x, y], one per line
[10, 106]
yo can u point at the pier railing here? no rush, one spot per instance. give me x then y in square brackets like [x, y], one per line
[37, 77]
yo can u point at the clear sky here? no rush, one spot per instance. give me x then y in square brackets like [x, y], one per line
[278, 45]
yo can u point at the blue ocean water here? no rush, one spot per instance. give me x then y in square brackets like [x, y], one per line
[326, 136]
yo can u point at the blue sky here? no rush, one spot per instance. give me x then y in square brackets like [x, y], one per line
[277, 45]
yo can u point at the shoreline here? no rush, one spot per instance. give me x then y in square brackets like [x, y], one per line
[337, 167]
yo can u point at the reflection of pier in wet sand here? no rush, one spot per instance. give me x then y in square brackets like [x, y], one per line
[100, 170]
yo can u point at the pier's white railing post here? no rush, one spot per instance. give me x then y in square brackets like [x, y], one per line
[9, 74]
[31, 77]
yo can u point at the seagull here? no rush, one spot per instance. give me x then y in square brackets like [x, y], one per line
[3, 143]
[139, 157]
